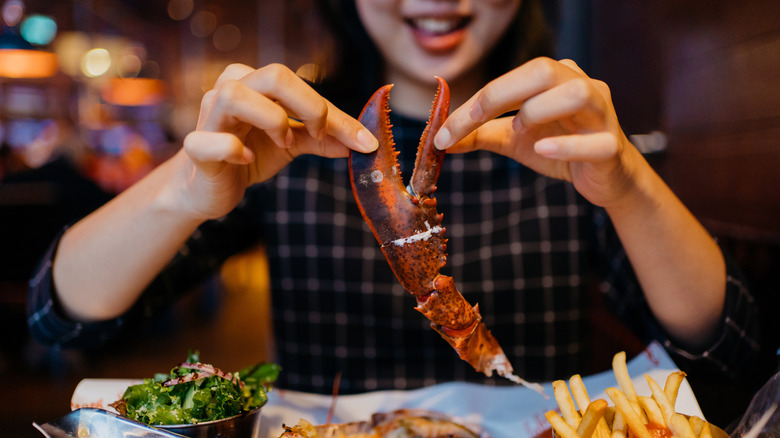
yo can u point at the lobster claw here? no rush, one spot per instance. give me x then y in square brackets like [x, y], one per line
[406, 224]
[404, 221]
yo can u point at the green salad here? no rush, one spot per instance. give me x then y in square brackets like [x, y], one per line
[194, 392]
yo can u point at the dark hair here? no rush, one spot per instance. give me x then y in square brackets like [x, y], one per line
[353, 67]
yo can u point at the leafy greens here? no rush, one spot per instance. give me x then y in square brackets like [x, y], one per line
[188, 395]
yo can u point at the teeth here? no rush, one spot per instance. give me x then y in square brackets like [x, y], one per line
[436, 25]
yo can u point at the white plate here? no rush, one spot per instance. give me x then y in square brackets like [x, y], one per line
[502, 411]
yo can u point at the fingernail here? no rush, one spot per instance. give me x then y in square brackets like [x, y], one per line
[546, 148]
[248, 155]
[366, 141]
[289, 138]
[517, 124]
[476, 112]
[442, 139]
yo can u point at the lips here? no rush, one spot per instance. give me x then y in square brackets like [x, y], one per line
[438, 34]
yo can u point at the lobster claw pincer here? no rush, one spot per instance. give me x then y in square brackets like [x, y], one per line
[406, 224]
[403, 220]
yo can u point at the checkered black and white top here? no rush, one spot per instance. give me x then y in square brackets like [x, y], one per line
[527, 248]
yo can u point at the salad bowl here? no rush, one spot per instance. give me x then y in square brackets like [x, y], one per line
[194, 399]
[89, 422]
[241, 425]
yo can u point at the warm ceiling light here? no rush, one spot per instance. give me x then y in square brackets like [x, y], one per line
[22, 63]
[134, 91]
[19, 59]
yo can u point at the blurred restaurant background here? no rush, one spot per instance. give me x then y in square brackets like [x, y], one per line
[95, 93]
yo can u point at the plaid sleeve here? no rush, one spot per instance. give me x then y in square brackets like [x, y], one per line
[735, 346]
[737, 342]
[196, 262]
[46, 320]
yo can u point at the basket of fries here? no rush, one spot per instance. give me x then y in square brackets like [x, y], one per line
[629, 415]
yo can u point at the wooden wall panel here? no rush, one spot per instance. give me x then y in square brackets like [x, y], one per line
[721, 111]
[732, 189]
[626, 53]
[734, 87]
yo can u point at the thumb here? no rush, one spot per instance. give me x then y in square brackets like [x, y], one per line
[211, 151]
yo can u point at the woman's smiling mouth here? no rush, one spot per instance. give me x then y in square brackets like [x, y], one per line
[438, 33]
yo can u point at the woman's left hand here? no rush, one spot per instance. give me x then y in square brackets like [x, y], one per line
[565, 127]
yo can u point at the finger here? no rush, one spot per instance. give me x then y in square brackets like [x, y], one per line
[503, 94]
[596, 147]
[497, 136]
[205, 103]
[328, 147]
[572, 65]
[600, 85]
[349, 131]
[279, 83]
[211, 150]
[233, 72]
[575, 99]
[494, 136]
[234, 102]
[319, 116]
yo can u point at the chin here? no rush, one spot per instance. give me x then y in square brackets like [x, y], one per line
[444, 67]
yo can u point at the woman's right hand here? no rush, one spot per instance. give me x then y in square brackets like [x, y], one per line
[252, 124]
[245, 134]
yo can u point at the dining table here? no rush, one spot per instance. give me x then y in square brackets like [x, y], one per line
[497, 411]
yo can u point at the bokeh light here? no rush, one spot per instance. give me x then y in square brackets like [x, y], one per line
[13, 10]
[39, 29]
[151, 69]
[96, 62]
[203, 24]
[131, 61]
[20, 63]
[70, 48]
[180, 9]
[129, 66]
[227, 37]
[134, 91]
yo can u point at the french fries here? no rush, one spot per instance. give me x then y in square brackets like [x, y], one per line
[631, 417]
[640, 416]
[566, 404]
[653, 411]
[620, 369]
[580, 394]
[591, 418]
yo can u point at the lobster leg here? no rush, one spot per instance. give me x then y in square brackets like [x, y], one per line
[409, 229]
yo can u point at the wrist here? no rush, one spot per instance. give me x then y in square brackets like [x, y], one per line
[173, 194]
[640, 186]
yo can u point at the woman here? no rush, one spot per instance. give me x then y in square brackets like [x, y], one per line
[544, 202]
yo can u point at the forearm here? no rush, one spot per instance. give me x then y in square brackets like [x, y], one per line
[679, 266]
[105, 261]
